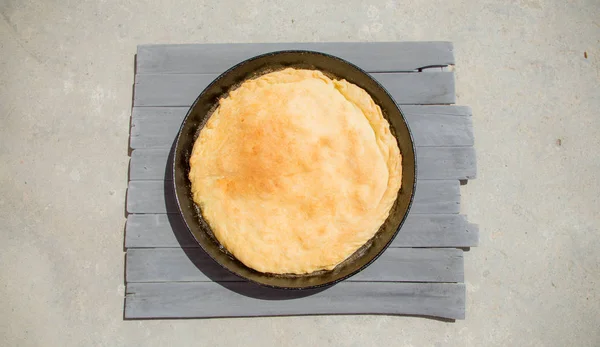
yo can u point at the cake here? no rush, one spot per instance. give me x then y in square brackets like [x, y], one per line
[294, 171]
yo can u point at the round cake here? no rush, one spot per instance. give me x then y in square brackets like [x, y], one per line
[295, 171]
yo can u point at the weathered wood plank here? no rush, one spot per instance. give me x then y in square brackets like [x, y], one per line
[444, 110]
[432, 163]
[419, 230]
[437, 230]
[431, 197]
[150, 164]
[156, 231]
[151, 197]
[440, 130]
[427, 110]
[183, 89]
[216, 58]
[157, 127]
[446, 163]
[394, 265]
[242, 299]
[436, 196]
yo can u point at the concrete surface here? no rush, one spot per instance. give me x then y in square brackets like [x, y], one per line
[66, 70]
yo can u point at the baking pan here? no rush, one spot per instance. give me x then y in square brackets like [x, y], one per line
[201, 110]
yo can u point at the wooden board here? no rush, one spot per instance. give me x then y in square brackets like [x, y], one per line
[216, 58]
[183, 89]
[395, 265]
[419, 230]
[432, 163]
[238, 299]
[169, 276]
[431, 196]
[156, 127]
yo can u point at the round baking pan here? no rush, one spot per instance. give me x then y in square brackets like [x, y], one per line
[201, 110]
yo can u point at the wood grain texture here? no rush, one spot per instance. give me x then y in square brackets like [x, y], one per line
[446, 163]
[210, 299]
[183, 89]
[440, 130]
[157, 127]
[431, 196]
[419, 230]
[443, 110]
[194, 265]
[150, 164]
[216, 58]
[151, 197]
[436, 196]
[437, 230]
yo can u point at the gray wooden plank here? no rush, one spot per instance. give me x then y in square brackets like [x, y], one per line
[436, 196]
[194, 265]
[183, 89]
[440, 130]
[431, 197]
[156, 231]
[419, 88]
[428, 110]
[150, 164]
[432, 163]
[446, 163]
[216, 58]
[436, 230]
[242, 299]
[157, 127]
[151, 197]
[419, 230]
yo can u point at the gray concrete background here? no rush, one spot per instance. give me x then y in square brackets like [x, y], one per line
[66, 70]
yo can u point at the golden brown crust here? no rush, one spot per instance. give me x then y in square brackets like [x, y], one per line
[295, 171]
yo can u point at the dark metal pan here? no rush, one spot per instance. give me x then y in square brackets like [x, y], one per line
[200, 112]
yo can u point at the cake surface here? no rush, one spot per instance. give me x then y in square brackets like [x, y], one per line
[295, 171]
